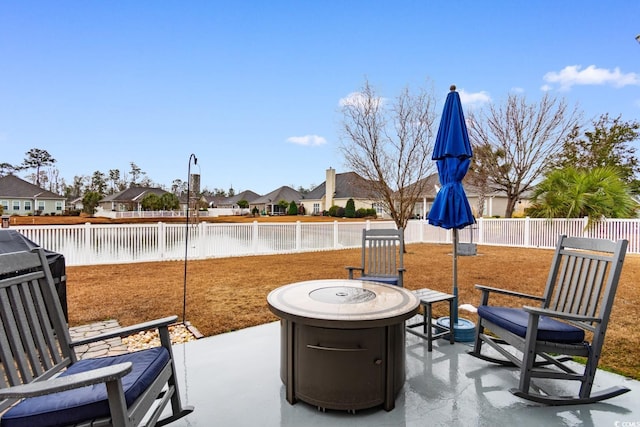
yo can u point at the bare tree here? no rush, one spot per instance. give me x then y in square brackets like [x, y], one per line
[390, 145]
[136, 173]
[524, 139]
[478, 175]
[178, 187]
[53, 178]
[114, 179]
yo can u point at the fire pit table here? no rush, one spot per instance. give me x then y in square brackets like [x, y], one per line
[342, 342]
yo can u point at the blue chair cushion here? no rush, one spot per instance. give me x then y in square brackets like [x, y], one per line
[381, 279]
[86, 403]
[516, 319]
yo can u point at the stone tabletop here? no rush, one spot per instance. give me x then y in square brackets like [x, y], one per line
[342, 300]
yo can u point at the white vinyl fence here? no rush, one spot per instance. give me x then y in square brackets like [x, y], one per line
[90, 244]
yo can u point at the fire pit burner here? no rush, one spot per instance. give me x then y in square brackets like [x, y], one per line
[342, 295]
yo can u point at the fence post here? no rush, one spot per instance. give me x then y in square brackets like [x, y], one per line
[527, 232]
[480, 222]
[201, 240]
[87, 242]
[298, 236]
[335, 234]
[254, 237]
[161, 236]
[585, 223]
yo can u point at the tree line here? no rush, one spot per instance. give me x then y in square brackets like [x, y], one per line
[541, 151]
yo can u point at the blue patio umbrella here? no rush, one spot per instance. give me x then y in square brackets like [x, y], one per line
[451, 210]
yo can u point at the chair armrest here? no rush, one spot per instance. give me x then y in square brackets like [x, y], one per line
[54, 385]
[560, 314]
[351, 269]
[128, 330]
[488, 289]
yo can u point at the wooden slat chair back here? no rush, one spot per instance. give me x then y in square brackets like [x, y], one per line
[570, 319]
[35, 347]
[381, 257]
[33, 341]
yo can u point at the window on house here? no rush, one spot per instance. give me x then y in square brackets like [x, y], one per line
[27, 205]
[41, 205]
[59, 206]
[379, 207]
[16, 205]
[316, 208]
[5, 205]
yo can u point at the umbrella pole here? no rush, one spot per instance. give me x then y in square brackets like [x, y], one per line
[454, 315]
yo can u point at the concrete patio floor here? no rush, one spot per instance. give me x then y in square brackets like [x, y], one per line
[233, 380]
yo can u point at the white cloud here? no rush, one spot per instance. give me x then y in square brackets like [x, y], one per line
[356, 99]
[517, 90]
[572, 75]
[307, 140]
[546, 88]
[476, 99]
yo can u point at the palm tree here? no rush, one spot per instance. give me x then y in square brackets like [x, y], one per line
[576, 193]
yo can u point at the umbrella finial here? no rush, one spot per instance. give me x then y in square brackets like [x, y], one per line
[452, 88]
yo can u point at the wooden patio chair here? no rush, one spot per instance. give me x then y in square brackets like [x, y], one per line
[41, 381]
[578, 298]
[382, 252]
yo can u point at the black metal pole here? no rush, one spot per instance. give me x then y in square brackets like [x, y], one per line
[186, 238]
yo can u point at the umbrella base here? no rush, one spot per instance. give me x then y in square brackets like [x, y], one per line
[463, 331]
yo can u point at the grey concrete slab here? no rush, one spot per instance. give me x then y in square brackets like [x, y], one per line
[233, 380]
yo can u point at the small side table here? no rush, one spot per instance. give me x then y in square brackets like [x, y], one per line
[427, 298]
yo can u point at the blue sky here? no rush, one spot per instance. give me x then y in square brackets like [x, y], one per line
[252, 88]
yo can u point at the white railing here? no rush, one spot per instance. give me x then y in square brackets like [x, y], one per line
[211, 212]
[90, 244]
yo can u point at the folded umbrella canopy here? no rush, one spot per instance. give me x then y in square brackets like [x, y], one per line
[452, 153]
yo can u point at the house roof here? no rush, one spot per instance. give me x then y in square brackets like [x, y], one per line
[12, 186]
[348, 185]
[133, 194]
[432, 185]
[247, 195]
[283, 193]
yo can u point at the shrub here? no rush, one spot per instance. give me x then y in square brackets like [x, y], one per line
[350, 209]
[293, 208]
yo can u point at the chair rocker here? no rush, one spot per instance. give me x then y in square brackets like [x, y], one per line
[382, 252]
[41, 381]
[578, 298]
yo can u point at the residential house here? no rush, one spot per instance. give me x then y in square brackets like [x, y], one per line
[338, 189]
[269, 204]
[495, 202]
[232, 201]
[127, 200]
[75, 203]
[19, 197]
